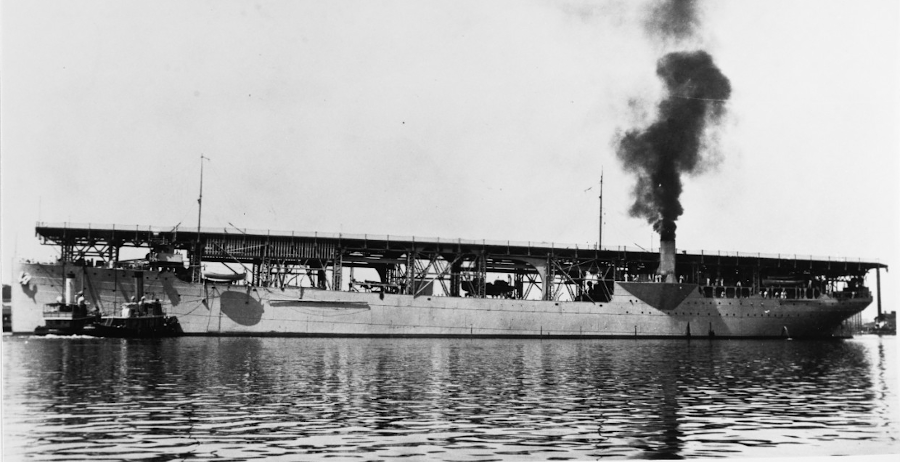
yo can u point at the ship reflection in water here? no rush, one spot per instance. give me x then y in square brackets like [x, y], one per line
[445, 399]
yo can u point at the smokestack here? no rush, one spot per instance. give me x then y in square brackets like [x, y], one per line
[70, 288]
[667, 260]
[138, 285]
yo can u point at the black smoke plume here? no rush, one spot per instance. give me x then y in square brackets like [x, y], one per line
[673, 19]
[673, 144]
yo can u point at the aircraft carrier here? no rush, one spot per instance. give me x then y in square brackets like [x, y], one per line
[237, 282]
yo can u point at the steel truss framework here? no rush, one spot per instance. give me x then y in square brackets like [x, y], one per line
[419, 267]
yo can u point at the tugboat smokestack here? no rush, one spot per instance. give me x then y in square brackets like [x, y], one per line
[138, 284]
[70, 288]
[667, 260]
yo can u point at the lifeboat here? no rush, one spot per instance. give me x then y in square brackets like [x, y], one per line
[224, 277]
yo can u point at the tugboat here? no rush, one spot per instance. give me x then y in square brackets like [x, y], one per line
[67, 316]
[142, 319]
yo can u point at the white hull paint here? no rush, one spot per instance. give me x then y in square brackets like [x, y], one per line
[225, 309]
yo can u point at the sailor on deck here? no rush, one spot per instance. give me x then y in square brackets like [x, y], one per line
[127, 308]
[81, 305]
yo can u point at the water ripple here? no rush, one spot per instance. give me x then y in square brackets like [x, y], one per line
[365, 399]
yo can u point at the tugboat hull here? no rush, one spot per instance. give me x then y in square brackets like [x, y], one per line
[143, 327]
[68, 327]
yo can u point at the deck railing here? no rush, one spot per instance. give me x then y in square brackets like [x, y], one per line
[786, 293]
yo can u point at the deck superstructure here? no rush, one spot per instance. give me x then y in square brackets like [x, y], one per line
[408, 264]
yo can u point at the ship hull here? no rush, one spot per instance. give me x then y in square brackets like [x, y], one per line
[221, 309]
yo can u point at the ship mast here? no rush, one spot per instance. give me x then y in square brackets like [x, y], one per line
[200, 200]
[600, 234]
[196, 271]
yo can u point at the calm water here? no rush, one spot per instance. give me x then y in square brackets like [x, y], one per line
[433, 399]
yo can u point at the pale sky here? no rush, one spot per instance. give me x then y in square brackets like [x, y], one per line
[469, 119]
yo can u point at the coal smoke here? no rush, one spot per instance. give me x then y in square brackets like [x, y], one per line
[672, 145]
[673, 19]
